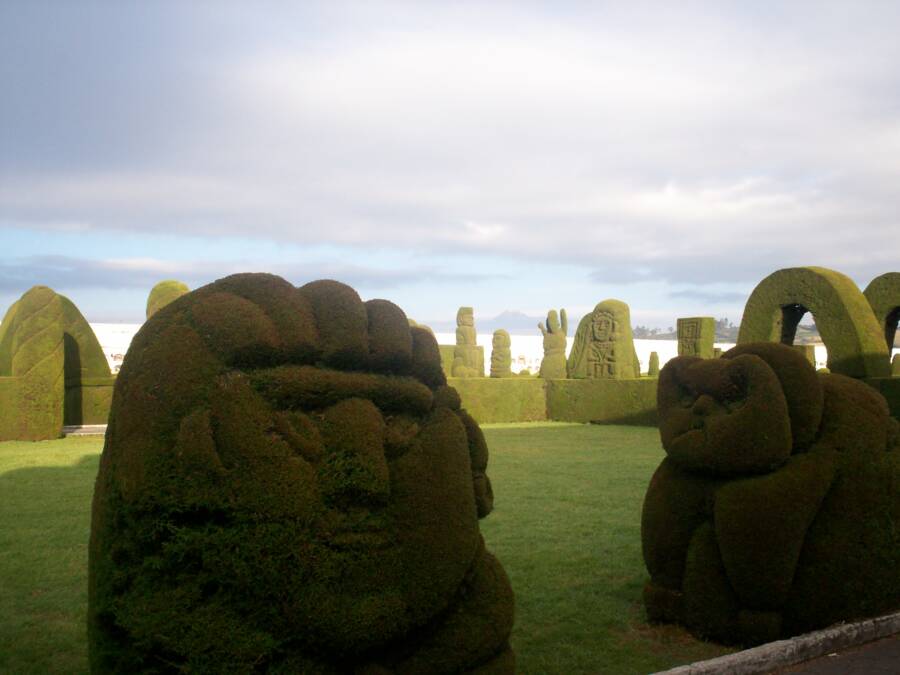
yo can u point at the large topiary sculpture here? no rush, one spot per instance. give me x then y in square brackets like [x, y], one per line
[553, 365]
[468, 357]
[288, 485]
[853, 336]
[883, 294]
[775, 509]
[501, 358]
[163, 293]
[52, 368]
[604, 345]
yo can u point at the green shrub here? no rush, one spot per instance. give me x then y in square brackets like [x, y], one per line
[553, 365]
[163, 293]
[778, 481]
[501, 359]
[696, 336]
[304, 484]
[883, 294]
[604, 345]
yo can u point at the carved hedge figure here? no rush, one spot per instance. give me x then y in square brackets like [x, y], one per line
[52, 369]
[696, 336]
[849, 329]
[468, 357]
[501, 358]
[653, 367]
[553, 365]
[883, 294]
[302, 494]
[774, 511]
[163, 293]
[604, 346]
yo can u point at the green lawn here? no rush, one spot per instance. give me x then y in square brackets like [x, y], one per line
[566, 526]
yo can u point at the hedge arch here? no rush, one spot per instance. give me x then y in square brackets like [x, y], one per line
[849, 329]
[883, 294]
[48, 355]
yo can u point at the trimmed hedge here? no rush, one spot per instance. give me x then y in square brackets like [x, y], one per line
[164, 293]
[603, 401]
[512, 399]
[696, 336]
[288, 485]
[883, 294]
[849, 329]
[554, 330]
[49, 351]
[780, 493]
[501, 358]
[604, 345]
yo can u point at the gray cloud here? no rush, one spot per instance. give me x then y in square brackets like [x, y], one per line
[687, 145]
[62, 272]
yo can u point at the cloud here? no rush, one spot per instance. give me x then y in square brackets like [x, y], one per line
[687, 145]
[19, 274]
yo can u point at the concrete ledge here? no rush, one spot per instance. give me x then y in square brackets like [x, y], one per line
[84, 430]
[784, 653]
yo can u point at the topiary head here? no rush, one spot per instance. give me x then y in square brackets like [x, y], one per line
[318, 474]
[725, 417]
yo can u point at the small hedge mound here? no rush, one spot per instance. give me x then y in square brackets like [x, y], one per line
[164, 293]
[774, 511]
[288, 485]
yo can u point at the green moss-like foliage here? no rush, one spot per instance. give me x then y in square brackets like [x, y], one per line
[554, 330]
[758, 508]
[696, 336]
[48, 349]
[508, 399]
[163, 293]
[895, 365]
[849, 329]
[291, 498]
[602, 401]
[653, 366]
[604, 345]
[468, 357]
[501, 358]
[883, 294]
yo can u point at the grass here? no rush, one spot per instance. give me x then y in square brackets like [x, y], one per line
[566, 526]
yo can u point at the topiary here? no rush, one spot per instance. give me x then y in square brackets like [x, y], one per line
[777, 481]
[883, 295]
[501, 359]
[468, 357]
[163, 293]
[553, 365]
[604, 344]
[653, 366]
[854, 338]
[46, 347]
[301, 494]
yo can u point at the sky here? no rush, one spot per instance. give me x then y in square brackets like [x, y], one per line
[507, 156]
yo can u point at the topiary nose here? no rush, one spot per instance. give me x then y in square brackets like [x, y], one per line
[354, 470]
[704, 405]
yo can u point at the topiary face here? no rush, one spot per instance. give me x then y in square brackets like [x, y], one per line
[283, 466]
[723, 417]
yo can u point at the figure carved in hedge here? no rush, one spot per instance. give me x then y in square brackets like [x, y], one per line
[653, 367]
[301, 495]
[468, 357]
[163, 293]
[553, 365]
[604, 345]
[774, 511]
[696, 336]
[501, 358]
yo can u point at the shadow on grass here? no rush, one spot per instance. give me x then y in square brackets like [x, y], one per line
[44, 529]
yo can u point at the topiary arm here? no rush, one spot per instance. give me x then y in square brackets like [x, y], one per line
[564, 321]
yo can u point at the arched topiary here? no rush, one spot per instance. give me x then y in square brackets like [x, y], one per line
[163, 293]
[48, 350]
[301, 494]
[844, 318]
[883, 294]
[774, 510]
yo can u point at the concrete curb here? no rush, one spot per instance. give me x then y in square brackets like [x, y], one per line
[84, 430]
[784, 653]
